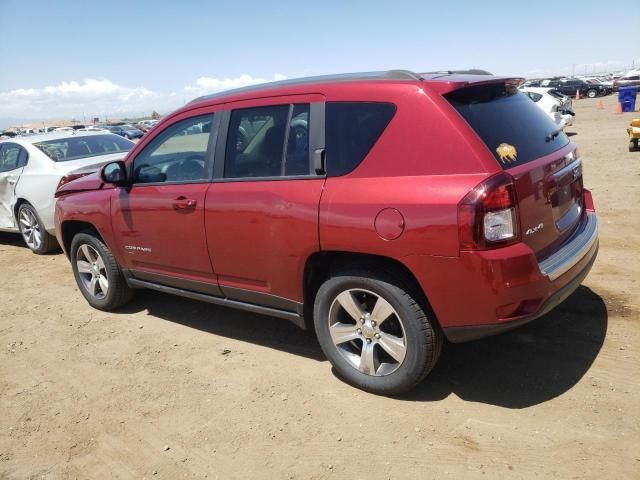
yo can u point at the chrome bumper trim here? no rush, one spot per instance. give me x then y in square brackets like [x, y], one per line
[573, 251]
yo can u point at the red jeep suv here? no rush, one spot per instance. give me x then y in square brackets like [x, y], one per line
[386, 210]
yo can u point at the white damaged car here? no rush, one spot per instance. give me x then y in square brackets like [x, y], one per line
[559, 107]
[31, 169]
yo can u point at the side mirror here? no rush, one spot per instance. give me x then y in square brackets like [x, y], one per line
[115, 173]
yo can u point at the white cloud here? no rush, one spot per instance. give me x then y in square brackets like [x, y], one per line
[97, 98]
[74, 99]
[205, 85]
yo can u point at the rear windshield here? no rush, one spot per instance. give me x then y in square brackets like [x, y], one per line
[514, 128]
[75, 148]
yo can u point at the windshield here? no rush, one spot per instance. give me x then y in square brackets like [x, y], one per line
[514, 128]
[75, 148]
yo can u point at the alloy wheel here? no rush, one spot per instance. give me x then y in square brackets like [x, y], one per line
[92, 271]
[367, 331]
[30, 228]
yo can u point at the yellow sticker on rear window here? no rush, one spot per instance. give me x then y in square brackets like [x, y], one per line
[507, 153]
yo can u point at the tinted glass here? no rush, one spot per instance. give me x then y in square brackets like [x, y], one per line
[260, 143]
[178, 154]
[351, 129]
[503, 116]
[533, 96]
[9, 155]
[23, 157]
[297, 157]
[75, 148]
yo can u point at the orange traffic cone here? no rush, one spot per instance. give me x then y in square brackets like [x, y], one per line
[577, 94]
[619, 108]
[600, 105]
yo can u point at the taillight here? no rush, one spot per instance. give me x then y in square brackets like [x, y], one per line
[70, 177]
[488, 215]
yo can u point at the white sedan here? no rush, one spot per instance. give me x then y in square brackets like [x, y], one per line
[31, 169]
[558, 106]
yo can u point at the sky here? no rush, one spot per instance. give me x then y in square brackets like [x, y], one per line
[73, 59]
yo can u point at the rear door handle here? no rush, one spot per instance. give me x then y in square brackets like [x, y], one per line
[184, 203]
[13, 181]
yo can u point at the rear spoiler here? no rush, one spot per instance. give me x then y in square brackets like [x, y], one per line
[447, 82]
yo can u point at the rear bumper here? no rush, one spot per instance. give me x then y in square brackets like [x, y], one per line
[488, 292]
[573, 251]
[465, 334]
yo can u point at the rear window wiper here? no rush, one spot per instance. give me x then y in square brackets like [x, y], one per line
[553, 135]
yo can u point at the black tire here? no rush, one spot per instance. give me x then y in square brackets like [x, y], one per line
[45, 242]
[118, 291]
[592, 93]
[633, 145]
[422, 337]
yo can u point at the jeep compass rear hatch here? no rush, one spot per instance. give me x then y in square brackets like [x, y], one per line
[528, 145]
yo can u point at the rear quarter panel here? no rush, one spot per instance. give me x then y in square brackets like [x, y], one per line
[422, 165]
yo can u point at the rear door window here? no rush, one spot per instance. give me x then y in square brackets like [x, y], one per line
[351, 129]
[271, 141]
[514, 129]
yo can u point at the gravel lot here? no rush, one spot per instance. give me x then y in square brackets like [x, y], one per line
[172, 388]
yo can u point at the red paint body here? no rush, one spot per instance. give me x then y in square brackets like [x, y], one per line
[258, 235]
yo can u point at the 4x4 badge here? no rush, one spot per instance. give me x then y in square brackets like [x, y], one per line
[507, 153]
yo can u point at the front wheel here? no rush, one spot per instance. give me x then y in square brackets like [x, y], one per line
[592, 93]
[33, 232]
[633, 145]
[97, 273]
[374, 332]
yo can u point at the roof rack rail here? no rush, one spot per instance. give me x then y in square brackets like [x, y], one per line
[471, 71]
[341, 77]
[398, 74]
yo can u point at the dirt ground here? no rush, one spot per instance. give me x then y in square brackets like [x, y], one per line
[173, 388]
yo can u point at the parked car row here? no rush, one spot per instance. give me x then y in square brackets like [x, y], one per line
[572, 86]
[631, 78]
[589, 86]
[387, 211]
[122, 129]
[126, 131]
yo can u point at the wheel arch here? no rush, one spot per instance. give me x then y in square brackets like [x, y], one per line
[70, 228]
[320, 266]
[16, 206]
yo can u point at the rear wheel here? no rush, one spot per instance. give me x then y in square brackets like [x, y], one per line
[633, 145]
[374, 332]
[33, 232]
[97, 273]
[592, 93]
